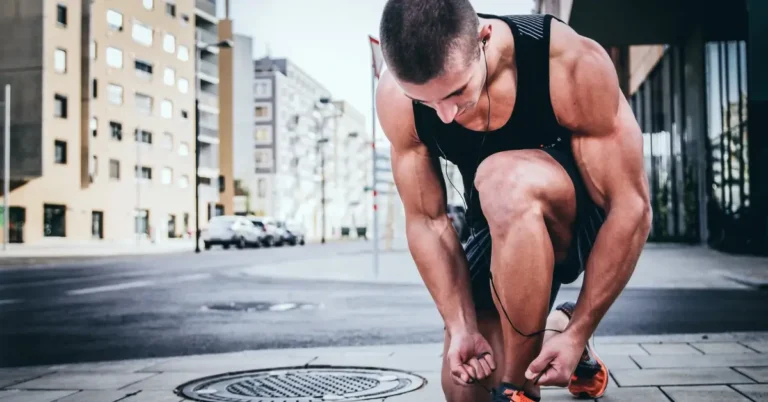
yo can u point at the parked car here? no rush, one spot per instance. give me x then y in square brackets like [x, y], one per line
[273, 236]
[458, 217]
[294, 233]
[229, 231]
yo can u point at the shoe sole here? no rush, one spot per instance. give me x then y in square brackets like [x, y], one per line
[603, 369]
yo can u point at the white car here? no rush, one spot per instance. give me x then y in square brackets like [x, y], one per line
[229, 231]
[273, 235]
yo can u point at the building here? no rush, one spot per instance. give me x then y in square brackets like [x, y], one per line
[102, 117]
[694, 73]
[243, 124]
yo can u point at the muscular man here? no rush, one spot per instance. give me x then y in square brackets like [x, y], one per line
[552, 162]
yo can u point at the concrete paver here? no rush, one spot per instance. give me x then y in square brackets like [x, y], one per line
[35, 396]
[718, 393]
[714, 348]
[640, 394]
[737, 360]
[679, 376]
[758, 392]
[96, 396]
[761, 347]
[670, 349]
[759, 374]
[84, 381]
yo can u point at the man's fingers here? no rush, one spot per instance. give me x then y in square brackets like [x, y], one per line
[539, 364]
[471, 370]
[553, 378]
[460, 375]
[485, 366]
[480, 372]
[488, 358]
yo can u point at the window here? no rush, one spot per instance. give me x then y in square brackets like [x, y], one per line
[61, 14]
[143, 136]
[262, 111]
[262, 88]
[60, 60]
[94, 88]
[60, 152]
[94, 168]
[93, 50]
[114, 20]
[183, 53]
[263, 159]
[262, 188]
[168, 141]
[183, 85]
[263, 134]
[60, 106]
[148, 4]
[143, 68]
[166, 109]
[169, 43]
[116, 129]
[142, 33]
[94, 124]
[115, 94]
[183, 149]
[184, 114]
[144, 172]
[184, 181]
[114, 169]
[143, 104]
[169, 76]
[54, 220]
[186, 222]
[141, 225]
[114, 57]
[97, 224]
[171, 226]
[170, 9]
[166, 176]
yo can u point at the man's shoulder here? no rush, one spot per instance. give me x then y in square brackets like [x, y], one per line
[395, 111]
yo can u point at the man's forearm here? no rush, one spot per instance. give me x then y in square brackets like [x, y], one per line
[610, 266]
[442, 265]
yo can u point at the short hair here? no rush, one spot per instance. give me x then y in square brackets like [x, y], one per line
[419, 36]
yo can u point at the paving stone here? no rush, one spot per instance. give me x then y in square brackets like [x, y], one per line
[96, 396]
[640, 394]
[624, 349]
[407, 362]
[35, 396]
[759, 374]
[683, 376]
[225, 364]
[165, 381]
[722, 348]
[9, 378]
[556, 395]
[84, 381]
[670, 349]
[761, 347]
[690, 361]
[718, 393]
[154, 396]
[758, 392]
[127, 366]
[618, 362]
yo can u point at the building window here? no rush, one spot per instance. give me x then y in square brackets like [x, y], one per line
[168, 141]
[143, 104]
[183, 53]
[54, 220]
[61, 14]
[262, 188]
[262, 88]
[60, 60]
[170, 9]
[169, 43]
[114, 20]
[166, 109]
[143, 69]
[262, 112]
[94, 124]
[94, 168]
[166, 176]
[186, 222]
[169, 76]
[143, 136]
[114, 169]
[171, 226]
[263, 134]
[141, 217]
[183, 149]
[184, 114]
[263, 159]
[142, 33]
[114, 57]
[184, 181]
[148, 4]
[115, 94]
[60, 106]
[184, 18]
[97, 224]
[183, 85]
[116, 130]
[92, 50]
[60, 152]
[143, 172]
[94, 88]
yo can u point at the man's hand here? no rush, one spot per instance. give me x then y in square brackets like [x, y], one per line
[557, 361]
[470, 358]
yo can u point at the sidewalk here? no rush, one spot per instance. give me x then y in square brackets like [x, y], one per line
[103, 248]
[660, 266]
[680, 368]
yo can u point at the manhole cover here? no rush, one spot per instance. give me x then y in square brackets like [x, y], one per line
[261, 306]
[302, 384]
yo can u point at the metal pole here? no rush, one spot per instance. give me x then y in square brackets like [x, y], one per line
[139, 174]
[373, 148]
[7, 168]
[198, 54]
[322, 184]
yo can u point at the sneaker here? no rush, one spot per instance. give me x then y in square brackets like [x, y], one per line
[509, 393]
[590, 379]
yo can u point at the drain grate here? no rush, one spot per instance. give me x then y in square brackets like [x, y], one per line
[302, 384]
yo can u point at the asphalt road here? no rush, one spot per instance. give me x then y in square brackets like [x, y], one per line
[172, 305]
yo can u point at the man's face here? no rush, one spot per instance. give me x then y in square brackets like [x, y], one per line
[453, 93]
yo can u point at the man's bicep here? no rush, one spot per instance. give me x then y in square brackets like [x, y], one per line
[418, 181]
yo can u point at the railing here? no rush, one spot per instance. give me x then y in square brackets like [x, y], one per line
[208, 160]
[209, 132]
[209, 99]
[209, 6]
[208, 68]
[209, 121]
[207, 37]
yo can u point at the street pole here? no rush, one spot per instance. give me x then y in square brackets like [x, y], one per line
[197, 165]
[373, 150]
[139, 174]
[322, 185]
[7, 167]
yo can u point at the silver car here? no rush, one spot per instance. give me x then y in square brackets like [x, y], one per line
[229, 231]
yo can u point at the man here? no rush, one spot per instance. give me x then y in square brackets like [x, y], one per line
[552, 161]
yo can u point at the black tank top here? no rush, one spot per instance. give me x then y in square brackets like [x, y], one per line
[532, 124]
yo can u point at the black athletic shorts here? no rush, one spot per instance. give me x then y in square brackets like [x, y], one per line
[589, 219]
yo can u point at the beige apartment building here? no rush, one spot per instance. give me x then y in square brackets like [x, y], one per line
[102, 118]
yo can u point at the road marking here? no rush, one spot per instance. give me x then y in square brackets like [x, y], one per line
[9, 301]
[192, 277]
[283, 307]
[111, 288]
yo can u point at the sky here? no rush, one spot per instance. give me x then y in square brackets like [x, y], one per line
[329, 38]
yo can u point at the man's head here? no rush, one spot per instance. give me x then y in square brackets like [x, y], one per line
[434, 50]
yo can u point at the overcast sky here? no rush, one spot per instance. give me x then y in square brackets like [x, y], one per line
[329, 38]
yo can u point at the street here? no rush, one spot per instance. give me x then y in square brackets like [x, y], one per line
[214, 302]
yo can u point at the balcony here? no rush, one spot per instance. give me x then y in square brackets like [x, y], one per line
[207, 6]
[209, 132]
[209, 69]
[208, 160]
[209, 99]
[207, 37]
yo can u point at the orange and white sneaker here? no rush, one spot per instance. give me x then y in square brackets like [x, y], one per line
[591, 378]
[509, 393]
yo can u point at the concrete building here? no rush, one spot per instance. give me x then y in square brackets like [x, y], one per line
[102, 117]
[694, 73]
[243, 124]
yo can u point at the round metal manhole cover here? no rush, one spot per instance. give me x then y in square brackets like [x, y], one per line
[261, 306]
[302, 384]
